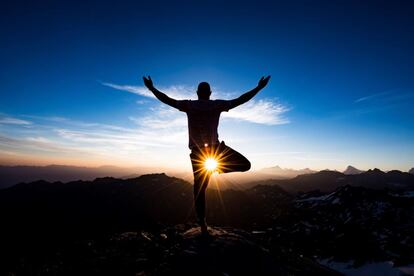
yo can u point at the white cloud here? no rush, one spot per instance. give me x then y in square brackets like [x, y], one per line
[115, 139]
[179, 92]
[141, 102]
[140, 90]
[261, 112]
[370, 97]
[156, 136]
[162, 117]
[57, 136]
[30, 144]
[13, 121]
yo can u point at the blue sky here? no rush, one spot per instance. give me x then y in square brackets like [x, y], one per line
[341, 92]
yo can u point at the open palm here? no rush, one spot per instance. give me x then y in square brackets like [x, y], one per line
[148, 82]
[263, 82]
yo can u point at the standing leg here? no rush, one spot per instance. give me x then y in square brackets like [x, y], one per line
[201, 180]
[200, 187]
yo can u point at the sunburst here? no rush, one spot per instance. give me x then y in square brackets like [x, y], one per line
[210, 164]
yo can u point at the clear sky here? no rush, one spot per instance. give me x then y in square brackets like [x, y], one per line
[341, 92]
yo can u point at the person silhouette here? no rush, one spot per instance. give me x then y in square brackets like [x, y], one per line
[208, 154]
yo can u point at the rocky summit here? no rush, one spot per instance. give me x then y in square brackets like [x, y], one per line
[173, 250]
[145, 226]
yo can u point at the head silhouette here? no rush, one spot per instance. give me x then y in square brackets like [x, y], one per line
[203, 91]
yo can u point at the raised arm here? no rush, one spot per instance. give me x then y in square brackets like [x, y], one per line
[248, 95]
[158, 94]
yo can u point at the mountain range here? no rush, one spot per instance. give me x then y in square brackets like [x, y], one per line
[11, 175]
[287, 173]
[111, 224]
[327, 181]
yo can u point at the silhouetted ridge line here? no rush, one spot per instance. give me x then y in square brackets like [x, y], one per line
[327, 223]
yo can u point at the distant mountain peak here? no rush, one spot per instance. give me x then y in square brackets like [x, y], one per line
[286, 172]
[411, 171]
[375, 171]
[352, 170]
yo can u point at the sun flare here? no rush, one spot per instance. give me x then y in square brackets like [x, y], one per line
[210, 164]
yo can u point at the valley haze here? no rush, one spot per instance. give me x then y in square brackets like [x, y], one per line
[11, 175]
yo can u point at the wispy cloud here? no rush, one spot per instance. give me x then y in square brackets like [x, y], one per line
[157, 135]
[57, 138]
[179, 92]
[147, 130]
[263, 111]
[141, 102]
[30, 144]
[372, 96]
[13, 121]
[395, 99]
[388, 96]
[139, 90]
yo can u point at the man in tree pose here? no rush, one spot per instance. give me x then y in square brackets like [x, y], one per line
[208, 155]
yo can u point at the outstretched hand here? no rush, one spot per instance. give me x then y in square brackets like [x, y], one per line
[148, 82]
[263, 82]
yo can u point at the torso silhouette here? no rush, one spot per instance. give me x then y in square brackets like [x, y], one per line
[203, 120]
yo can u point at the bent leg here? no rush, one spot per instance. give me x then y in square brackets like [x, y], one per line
[231, 160]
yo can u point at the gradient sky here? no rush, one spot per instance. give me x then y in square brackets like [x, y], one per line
[341, 92]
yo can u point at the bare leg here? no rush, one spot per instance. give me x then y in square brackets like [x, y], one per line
[232, 161]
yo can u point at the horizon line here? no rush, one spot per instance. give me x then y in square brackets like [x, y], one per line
[183, 170]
